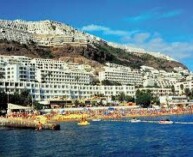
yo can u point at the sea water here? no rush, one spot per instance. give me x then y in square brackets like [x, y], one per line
[103, 139]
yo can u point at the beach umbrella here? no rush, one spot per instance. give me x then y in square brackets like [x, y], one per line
[111, 109]
[62, 111]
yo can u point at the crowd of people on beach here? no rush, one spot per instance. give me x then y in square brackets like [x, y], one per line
[120, 113]
[112, 113]
[23, 114]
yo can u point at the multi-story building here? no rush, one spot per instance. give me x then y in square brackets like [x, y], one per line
[2, 72]
[159, 91]
[174, 101]
[47, 79]
[19, 72]
[162, 83]
[5, 60]
[180, 87]
[62, 76]
[181, 70]
[48, 64]
[123, 75]
[44, 91]
[21, 68]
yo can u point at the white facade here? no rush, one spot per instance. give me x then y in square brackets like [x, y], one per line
[5, 60]
[47, 78]
[159, 91]
[21, 68]
[123, 75]
[149, 83]
[48, 64]
[173, 101]
[62, 76]
[181, 70]
[17, 72]
[162, 83]
[181, 86]
[44, 91]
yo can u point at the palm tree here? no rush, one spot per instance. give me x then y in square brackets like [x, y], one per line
[182, 88]
[173, 89]
[187, 92]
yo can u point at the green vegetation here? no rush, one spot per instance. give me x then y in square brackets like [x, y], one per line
[3, 100]
[108, 82]
[173, 89]
[181, 86]
[76, 103]
[188, 93]
[99, 52]
[122, 97]
[144, 98]
[120, 56]
[45, 53]
[95, 81]
[37, 106]
[24, 98]
[155, 100]
[53, 27]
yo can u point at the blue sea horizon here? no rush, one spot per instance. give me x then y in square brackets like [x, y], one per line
[104, 138]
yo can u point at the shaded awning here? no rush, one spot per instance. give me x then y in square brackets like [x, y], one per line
[17, 107]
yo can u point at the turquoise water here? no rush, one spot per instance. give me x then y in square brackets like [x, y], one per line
[104, 139]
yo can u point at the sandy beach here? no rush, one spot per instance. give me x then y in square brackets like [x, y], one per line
[115, 114]
[101, 113]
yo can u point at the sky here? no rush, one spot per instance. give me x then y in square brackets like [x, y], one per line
[164, 26]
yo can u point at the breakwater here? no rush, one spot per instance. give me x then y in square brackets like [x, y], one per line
[27, 124]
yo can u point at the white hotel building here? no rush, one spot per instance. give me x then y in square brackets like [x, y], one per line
[48, 79]
[159, 91]
[20, 68]
[180, 87]
[40, 63]
[44, 91]
[19, 72]
[63, 76]
[121, 74]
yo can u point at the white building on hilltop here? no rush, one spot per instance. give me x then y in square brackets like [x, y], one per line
[48, 64]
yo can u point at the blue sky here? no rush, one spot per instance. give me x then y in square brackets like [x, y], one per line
[157, 25]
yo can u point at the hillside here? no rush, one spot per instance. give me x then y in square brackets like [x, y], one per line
[97, 54]
[44, 33]
[49, 39]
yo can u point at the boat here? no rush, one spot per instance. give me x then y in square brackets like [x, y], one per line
[167, 121]
[83, 123]
[134, 120]
[96, 120]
